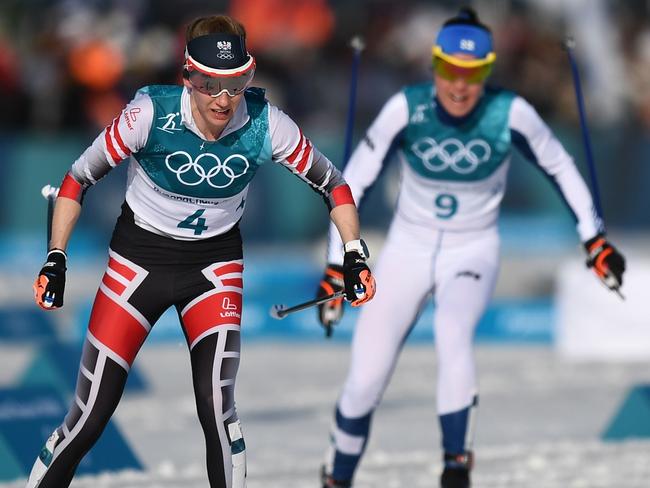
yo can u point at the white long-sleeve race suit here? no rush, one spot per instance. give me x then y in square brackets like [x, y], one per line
[443, 242]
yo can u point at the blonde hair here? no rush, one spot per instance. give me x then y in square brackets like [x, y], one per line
[214, 24]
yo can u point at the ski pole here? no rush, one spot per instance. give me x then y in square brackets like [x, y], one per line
[357, 44]
[279, 312]
[569, 45]
[50, 193]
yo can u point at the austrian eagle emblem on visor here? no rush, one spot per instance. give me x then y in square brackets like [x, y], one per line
[225, 50]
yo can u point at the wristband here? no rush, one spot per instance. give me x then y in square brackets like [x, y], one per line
[56, 250]
[359, 246]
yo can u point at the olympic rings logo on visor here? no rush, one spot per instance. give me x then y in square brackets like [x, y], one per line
[213, 81]
[471, 70]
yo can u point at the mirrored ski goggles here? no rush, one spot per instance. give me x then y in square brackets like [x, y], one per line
[213, 82]
[471, 70]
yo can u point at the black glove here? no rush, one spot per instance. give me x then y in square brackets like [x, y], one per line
[359, 284]
[50, 283]
[331, 312]
[606, 261]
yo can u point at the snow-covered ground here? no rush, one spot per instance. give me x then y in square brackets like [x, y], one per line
[540, 420]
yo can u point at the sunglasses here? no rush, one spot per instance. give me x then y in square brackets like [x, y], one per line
[451, 72]
[471, 70]
[214, 84]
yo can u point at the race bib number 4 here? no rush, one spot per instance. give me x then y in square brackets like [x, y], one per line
[194, 222]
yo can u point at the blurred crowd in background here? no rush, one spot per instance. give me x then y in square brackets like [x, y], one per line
[67, 68]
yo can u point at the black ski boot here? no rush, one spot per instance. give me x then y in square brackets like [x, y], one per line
[456, 471]
[328, 482]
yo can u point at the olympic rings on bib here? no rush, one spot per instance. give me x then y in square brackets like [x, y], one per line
[451, 153]
[191, 173]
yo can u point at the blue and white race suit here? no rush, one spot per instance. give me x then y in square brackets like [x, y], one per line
[453, 178]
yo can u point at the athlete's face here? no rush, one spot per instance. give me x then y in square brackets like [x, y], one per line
[212, 114]
[458, 94]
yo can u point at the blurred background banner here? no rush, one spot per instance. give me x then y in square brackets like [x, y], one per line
[32, 412]
[65, 73]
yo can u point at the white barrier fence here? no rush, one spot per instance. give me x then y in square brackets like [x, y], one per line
[594, 323]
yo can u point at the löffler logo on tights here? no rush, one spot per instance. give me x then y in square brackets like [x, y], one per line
[230, 309]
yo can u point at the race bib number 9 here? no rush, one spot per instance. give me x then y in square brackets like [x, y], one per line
[446, 206]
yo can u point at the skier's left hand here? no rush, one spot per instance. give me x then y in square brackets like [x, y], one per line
[606, 261]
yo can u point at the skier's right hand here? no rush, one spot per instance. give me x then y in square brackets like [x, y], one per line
[50, 282]
[358, 281]
[330, 313]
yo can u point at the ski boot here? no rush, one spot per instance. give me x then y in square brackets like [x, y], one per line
[456, 471]
[328, 482]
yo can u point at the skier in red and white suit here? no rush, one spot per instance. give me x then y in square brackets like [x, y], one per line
[193, 150]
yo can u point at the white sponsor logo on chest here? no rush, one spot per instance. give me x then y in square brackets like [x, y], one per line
[169, 125]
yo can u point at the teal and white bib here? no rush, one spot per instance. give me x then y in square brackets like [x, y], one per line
[179, 161]
[454, 174]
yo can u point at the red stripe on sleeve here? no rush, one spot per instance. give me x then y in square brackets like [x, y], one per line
[292, 157]
[111, 148]
[70, 188]
[305, 158]
[342, 195]
[118, 137]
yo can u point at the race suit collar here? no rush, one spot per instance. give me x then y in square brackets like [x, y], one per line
[239, 118]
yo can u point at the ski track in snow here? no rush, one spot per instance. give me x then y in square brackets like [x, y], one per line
[539, 422]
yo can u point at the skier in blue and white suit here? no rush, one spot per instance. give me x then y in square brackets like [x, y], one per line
[455, 139]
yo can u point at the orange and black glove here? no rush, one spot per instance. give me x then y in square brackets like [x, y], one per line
[353, 278]
[358, 282]
[330, 312]
[606, 261]
[50, 283]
